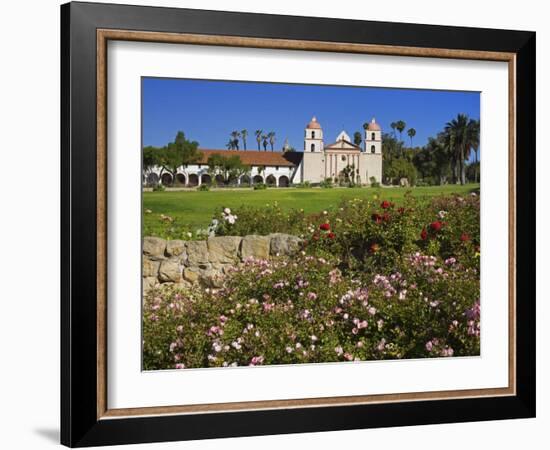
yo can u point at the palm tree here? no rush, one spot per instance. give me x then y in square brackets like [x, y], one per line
[400, 125]
[393, 126]
[475, 144]
[244, 134]
[235, 135]
[464, 135]
[258, 134]
[357, 138]
[265, 141]
[411, 132]
[271, 137]
[230, 144]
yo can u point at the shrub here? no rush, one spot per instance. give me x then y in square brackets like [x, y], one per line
[203, 188]
[308, 311]
[326, 183]
[260, 186]
[303, 185]
[159, 187]
[374, 183]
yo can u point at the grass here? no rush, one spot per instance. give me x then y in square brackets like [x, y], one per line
[194, 209]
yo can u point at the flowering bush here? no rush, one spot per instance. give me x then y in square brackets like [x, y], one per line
[375, 281]
[307, 311]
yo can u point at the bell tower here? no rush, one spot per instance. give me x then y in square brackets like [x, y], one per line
[373, 138]
[313, 138]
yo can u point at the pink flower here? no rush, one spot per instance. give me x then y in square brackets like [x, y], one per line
[256, 360]
[339, 350]
[348, 356]
[312, 296]
[180, 366]
[429, 346]
[381, 345]
[372, 310]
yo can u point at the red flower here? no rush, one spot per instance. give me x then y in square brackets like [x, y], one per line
[324, 226]
[315, 237]
[424, 234]
[331, 235]
[377, 218]
[386, 217]
[374, 248]
[401, 210]
[385, 204]
[464, 237]
[436, 226]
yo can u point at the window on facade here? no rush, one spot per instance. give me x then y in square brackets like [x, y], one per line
[312, 147]
[372, 149]
[200, 166]
[343, 158]
[372, 136]
[276, 167]
[313, 135]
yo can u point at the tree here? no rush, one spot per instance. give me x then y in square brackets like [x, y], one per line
[258, 134]
[178, 153]
[411, 132]
[357, 138]
[235, 136]
[229, 167]
[150, 159]
[393, 126]
[271, 137]
[264, 141]
[244, 134]
[400, 125]
[462, 136]
[475, 145]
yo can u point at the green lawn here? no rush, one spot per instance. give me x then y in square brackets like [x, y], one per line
[194, 209]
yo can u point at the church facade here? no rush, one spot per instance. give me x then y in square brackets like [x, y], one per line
[341, 157]
[316, 163]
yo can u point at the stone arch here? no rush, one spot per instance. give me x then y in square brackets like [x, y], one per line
[206, 179]
[218, 180]
[166, 179]
[258, 179]
[152, 179]
[193, 179]
[372, 149]
[245, 180]
[180, 179]
[271, 180]
[284, 181]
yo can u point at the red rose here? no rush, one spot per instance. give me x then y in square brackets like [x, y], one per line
[401, 210]
[424, 234]
[436, 226]
[464, 237]
[374, 248]
[377, 218]
[331, 235]
[325, 226]
[385, 204]
[386, 217]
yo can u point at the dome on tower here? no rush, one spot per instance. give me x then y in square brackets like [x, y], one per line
[313, 124]
[373, 126]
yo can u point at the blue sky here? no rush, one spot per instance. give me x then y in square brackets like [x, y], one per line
[207, 111]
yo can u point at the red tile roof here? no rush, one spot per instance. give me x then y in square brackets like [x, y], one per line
[255, 157]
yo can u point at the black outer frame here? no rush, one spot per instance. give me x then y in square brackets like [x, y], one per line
[79, 424]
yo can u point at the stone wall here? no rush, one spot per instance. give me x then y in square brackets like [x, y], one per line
[206, 262]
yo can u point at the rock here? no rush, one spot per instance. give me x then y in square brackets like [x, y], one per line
[211, 278]
[284, 244]
[150, 267]
[255, 246]
[191, 274]
[197, 253]
[148, 283]
[154, 246]
[170, 271]
[223, 249]
[175, 248]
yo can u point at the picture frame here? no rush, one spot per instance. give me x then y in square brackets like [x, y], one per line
[86, 418]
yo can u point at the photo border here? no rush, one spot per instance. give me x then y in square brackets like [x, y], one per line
[86, 29]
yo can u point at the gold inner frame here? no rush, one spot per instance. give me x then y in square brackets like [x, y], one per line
[104, 35]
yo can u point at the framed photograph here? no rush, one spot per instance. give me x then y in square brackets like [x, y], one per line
[276, 224]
